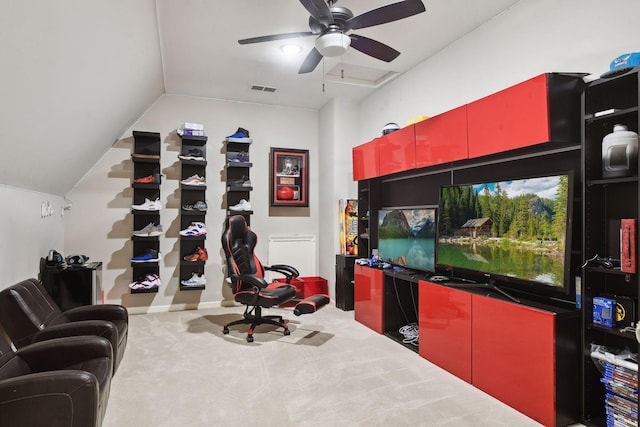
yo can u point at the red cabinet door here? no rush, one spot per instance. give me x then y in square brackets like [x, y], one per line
[513, 356]
[368, 300]
[444, 323]
[442, 138]
[366, 160]
[398, 151]
[513, 118]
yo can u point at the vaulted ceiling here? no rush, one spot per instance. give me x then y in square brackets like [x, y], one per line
[77, 74]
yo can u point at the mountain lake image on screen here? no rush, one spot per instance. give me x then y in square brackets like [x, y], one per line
[406, 237]
[517, 229]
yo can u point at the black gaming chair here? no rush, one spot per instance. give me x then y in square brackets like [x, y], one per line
[248, 284]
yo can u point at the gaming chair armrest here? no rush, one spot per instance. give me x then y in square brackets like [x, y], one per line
[251, 279]
[286, 270]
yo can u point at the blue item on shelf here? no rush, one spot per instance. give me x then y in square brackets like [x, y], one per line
[604, 311]
[625, 60]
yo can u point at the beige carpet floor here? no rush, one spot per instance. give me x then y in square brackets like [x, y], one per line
[180, 370]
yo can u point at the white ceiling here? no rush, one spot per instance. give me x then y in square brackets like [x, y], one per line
[76, 75]
[201, 55]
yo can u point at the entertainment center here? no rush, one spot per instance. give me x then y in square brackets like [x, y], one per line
[520, 203]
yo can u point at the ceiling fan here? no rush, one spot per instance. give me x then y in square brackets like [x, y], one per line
[331, 23]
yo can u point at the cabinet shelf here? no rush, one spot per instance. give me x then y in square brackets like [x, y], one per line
[145, 239]
[612, 331]
[194, 139]
[145, 264]
[238, 188]
[145, 291]
[193, 213]
[185, 263]
[191, 288]
[193, 187]
[145, 186]
[145, 160]
[591, 118]
[230, 212]
[193, 237]
[193, 162]
[612, 181]
[147, 213]
[239, 164]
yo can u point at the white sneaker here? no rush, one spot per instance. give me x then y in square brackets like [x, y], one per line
[195, 280]
[148, 205]
[194, 180]
[150, 281]
[195, 229]
[242, 205]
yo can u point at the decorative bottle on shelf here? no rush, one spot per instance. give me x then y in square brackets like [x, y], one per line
[620, 153]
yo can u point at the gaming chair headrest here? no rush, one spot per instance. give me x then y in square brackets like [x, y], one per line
[237, 227]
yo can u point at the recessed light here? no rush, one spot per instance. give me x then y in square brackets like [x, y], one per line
[291, 49]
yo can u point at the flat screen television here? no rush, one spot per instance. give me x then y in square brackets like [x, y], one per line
[514, 232]
[406, 237]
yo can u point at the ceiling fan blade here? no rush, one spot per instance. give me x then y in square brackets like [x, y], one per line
[382, 15]
[310, 62]
[373, 48]
[319, 10]
[275, 37]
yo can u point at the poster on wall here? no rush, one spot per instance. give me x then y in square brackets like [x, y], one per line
[348, 217]
[289, 172]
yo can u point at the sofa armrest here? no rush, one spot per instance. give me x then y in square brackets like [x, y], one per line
[70, 397]
[99, 328]
[59, 353]
[97, 312]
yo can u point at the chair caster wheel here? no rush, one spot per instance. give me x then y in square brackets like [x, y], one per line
[249, 338]
[287, 332]
[225, 330]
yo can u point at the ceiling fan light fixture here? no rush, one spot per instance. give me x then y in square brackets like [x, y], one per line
[290, 49]
[333, 44]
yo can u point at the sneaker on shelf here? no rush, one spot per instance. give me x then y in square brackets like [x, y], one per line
[149, 179]
[247, 183]
[194, 180]
[195, 280]
[149, 230]
[192, 154]
[150, 281]
[149, 255]
[243, 205]
[238, 181]
[195, 229]
[190, 132]
[197, 206]
[199, 254]
[238, 157]
[241, 135]
[145, 155]
[148, 205]
[200, 206]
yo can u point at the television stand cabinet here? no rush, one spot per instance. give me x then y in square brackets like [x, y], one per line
[526, 354]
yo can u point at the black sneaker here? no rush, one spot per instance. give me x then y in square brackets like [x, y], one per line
[192, 154]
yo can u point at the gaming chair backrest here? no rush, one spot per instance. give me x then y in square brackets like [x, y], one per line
[238, 242]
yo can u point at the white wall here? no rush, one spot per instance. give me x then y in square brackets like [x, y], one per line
[533, 37]
[338, 123]
[100, 223]
[25, 234]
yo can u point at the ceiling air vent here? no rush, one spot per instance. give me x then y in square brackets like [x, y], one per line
[260, 88]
